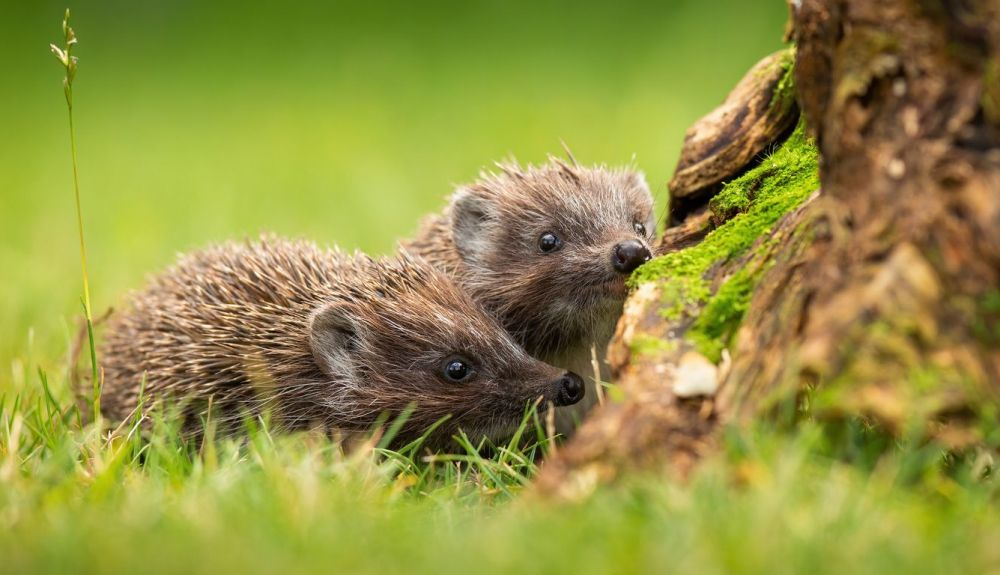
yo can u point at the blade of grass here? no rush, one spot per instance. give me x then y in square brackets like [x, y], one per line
[396, 426]
[411, 448]
[69, 62]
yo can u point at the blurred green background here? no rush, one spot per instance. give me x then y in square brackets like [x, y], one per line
[340, 121]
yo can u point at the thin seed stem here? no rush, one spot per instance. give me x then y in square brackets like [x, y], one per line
[79, 212]
[87, 310]
[69, 62]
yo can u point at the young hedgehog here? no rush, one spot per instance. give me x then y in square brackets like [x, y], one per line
[320, 338]
[547, 250]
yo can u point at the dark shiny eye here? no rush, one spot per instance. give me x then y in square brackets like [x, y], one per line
[639, 228]
[457, 369]
[549, 242]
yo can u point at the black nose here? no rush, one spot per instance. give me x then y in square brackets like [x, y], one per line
[571, 389]
[629, 255]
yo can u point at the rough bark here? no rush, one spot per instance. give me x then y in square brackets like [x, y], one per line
[881, 297]
[907, 253]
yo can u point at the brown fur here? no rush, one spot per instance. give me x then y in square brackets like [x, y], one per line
[557, 305]
[320, 339]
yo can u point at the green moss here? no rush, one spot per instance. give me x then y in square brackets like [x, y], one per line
[757, 199]
[723, 314]
[732, 200]
[784, 92]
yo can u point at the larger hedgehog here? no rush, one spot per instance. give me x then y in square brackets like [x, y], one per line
[547, 250]
[322, 339]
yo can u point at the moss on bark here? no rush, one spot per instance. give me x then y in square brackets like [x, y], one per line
[747, 208]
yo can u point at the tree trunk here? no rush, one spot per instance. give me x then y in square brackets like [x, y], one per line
[880, 298]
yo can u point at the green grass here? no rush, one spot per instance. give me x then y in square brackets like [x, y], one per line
[817, 502]
[203, 121]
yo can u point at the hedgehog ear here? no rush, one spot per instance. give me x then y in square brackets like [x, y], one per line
[333, 338]
[469, 214]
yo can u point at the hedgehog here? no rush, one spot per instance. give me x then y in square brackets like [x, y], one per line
[319, 338]
[547, 250]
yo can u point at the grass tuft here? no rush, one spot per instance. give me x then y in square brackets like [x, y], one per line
[826, 499]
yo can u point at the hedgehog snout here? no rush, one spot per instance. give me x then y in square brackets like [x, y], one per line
[569, 389]
[628, 255]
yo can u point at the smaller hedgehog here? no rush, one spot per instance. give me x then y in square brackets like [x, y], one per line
[319, 338]
[547, 250]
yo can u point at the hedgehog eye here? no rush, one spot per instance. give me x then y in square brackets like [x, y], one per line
[639, 228]
[549, 243]
[457, 369]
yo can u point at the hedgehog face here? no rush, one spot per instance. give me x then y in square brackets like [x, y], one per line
[417, 340]
[549, 248]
